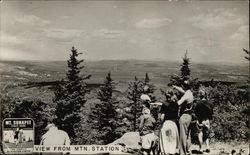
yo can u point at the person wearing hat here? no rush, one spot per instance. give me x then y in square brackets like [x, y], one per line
[54, 136]
[185, 104]
[145, 100]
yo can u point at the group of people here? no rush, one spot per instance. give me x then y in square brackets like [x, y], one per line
[178, 117]
[168, 132]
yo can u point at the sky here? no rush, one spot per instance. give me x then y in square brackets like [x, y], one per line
[211, 31]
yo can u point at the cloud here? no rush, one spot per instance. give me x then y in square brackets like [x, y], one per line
[63, 35]
[7, 38]
[32, 20]
[242, 33]
[153, 22]
[107, 34]
[64, 17]
[218, 19]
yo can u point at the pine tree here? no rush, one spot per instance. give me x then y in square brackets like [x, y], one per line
[247, 52]
[135, 90]
[70, 97]
[149, 88]
[185, 72]
[247, 57]
[104, 113]
[106, 91]
[147, 79]
[30, 107]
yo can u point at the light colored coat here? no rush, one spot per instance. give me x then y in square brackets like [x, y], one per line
[55, 137]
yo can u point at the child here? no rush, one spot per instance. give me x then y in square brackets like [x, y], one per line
[146, 131]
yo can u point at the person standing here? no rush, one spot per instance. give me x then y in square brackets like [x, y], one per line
[169, 136]
[146, 131]
[16, 136]
[185, 104]
[204, 114]
[21, 136]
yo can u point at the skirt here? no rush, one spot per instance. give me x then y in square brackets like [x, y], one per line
[169, 138]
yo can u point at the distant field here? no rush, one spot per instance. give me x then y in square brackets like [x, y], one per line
[14, 73]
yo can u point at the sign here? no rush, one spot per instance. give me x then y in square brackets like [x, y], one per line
[80, 149]
[18, 135]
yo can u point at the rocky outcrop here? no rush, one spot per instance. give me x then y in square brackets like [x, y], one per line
[130, 142]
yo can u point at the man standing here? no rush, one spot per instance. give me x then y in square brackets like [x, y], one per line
[186, 104]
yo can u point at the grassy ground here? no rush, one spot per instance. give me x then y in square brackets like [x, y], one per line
[219, 147]
[19, 145]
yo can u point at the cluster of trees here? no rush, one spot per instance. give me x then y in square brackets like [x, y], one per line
[108, 120]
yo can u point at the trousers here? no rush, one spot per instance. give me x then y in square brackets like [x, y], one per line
[185, 137]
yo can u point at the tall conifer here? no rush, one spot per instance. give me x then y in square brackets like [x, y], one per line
[104, 113]
[135, 90]
[70, 97]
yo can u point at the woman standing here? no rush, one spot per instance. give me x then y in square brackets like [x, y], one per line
[186, 104]
[169, 136]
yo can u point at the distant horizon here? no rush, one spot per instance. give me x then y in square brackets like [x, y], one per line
[149, 60]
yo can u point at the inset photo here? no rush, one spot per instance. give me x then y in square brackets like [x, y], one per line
[18, 135]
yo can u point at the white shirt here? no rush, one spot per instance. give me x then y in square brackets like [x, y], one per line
[188, 96]
[55, 137]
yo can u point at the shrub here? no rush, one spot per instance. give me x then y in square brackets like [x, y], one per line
[30, 107]
[230, 105]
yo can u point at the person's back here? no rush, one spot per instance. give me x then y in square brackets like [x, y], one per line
[169, 136]
[187, 102]
[203, 110]
[201, 130]
[147, 124]
[21, 136]
[55, 137]
[170, 111]
[16, 133]
[146, 131]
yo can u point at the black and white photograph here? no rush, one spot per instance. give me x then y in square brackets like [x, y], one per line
[18, 135]
[141, 77]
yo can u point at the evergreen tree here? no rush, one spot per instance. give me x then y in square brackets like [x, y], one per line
[247, 52]
[104, 113]
[247, 57]
[147, 79]
[149, 88]
[70, 97]
[135, 90]
[185, 72]
[106, 91]
[30, 107]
